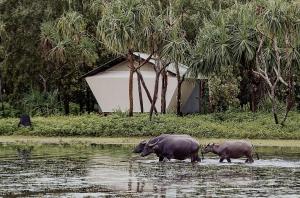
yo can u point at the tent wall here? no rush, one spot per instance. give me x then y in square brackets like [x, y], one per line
[187, 88]
[193, 102]
[110, 88]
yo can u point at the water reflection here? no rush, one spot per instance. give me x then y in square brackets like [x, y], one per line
[112, 170]
[24, 153]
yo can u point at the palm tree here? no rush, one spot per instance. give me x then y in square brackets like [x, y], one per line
[175, 50]
[256, 34]
[244, 44]
[278, 33]
[120, 30]
[65, 43]
[212, 50]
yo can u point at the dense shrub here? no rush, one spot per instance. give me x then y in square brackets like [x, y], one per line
[219, 125]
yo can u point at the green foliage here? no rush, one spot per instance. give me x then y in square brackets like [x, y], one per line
[7, 110]
[64, 41]
[41, 104]
[47, 45]
[74, 109]
[223, 89]
[297, 91]
[37, 35]
[220, 125]
[261, 38]
[121, 26]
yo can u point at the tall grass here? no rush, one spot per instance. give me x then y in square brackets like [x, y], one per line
[220, 125]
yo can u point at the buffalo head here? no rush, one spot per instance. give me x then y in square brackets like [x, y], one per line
[140, 147]
[208, 148]
[149, 148]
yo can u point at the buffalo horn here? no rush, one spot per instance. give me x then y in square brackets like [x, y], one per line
[153, 144]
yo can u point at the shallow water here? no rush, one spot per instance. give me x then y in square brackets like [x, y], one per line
[113, 171]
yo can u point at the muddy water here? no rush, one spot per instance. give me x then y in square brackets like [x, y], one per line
[113, 171]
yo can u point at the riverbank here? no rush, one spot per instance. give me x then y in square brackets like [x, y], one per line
[245, 125]
[34, 140]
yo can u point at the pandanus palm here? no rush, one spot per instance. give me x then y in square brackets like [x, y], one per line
[120, 30]
[264, 34]
[212, 49]
[65, 43]
[278, 35]
[176, 51]
[212, 54]
[243, 43]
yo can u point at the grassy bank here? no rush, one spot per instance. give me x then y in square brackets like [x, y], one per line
[87, 141]
[223, 125]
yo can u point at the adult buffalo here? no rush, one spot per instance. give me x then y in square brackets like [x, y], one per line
[232, 149]
[168, 146]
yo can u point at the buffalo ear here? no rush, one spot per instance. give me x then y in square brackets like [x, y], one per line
[144, 142]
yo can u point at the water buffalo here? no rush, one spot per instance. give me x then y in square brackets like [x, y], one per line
[178, 147]
[140, 147]
[25, 121]
[232, 149]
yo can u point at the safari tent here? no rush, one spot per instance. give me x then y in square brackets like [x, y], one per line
[109, 84]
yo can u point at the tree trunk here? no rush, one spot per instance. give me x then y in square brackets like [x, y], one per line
[179, 83]
[201, 96]
[44, 83]
[130, 90]
[164, 91]
[87, 100]
[154, 94]
[253, 106]
[253, 91]
[66, 102]
[290, 101]
[274, 109]
[178, 106]
[1, 96]
[145, 88]
[263, 72]
[290, 97]
[140, 94]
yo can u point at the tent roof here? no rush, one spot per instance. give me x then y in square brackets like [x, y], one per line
[171, 68]
[104, 67]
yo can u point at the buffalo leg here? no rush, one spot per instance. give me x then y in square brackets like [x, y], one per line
[249, 160]
[228, 160]
[198, 159]
[221, 159]
[195, 158]
[161, 158]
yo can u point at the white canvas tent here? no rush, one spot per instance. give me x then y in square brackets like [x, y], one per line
[109, 84]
